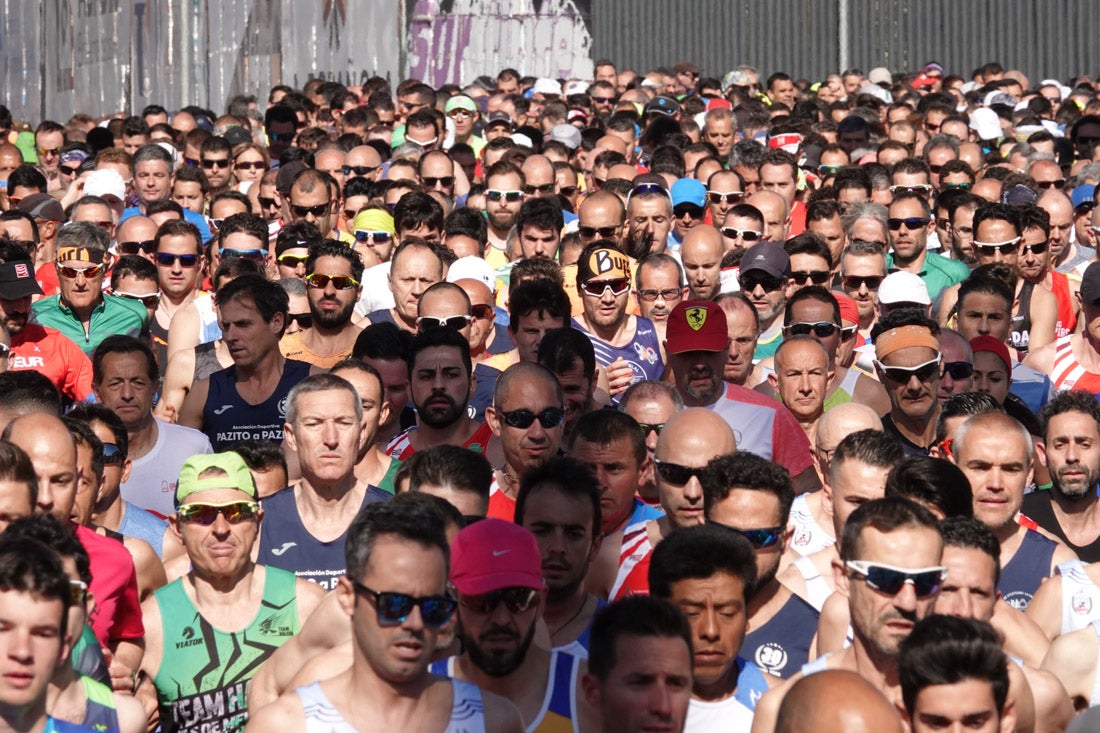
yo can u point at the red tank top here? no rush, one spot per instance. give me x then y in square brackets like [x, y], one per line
[1068, 373]
[1067, 319]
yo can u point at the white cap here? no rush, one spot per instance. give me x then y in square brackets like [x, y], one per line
[520, 139]
[986, 124]
[105, 182]
[472, 268]
[546, 85]
[903, 287]
[575, 86]
[880, 75]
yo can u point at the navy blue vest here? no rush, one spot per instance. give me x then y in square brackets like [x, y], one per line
[782, 645]
[227, 418]
[1026, 570]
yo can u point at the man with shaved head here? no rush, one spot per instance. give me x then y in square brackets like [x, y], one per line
[701, 254]
[1065, 256]
[538, 175]
[777, 215]
[689, 440]
[116, 618]
[836, 701]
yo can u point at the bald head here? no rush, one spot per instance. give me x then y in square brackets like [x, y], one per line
[695, 432]
[810, 706]
[53, 452]
[610, 142]
[703, 239]
[842, 420]
[776, 214]
[992, 423]
[538, 171]
[524, 372]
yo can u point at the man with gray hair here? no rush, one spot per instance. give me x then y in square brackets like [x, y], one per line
[306, 522]
[80, 310]
[153, 177]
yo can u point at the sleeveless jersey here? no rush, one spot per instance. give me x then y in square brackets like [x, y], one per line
[1067, 317]
[206, 361]
[579, 646]
[53, 725]
[782, 645]
[209, 330]
[159, 336]
[501, 506]
[632, 577]
[467, 710]
[227, 418]
[99, 706]
[285, 542]
[844, 391]
[1095, 698]
[136, 522]
[1023, 574]
[643, 353]
[202, 680]
[558, 713]
[1038, 507]
[1080, 597]
[817, 589]
[808, 536]
[402, 449]
[734, 713]
[1021, 319]
[1068, 372]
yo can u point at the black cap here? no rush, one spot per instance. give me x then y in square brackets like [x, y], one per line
[17, 280]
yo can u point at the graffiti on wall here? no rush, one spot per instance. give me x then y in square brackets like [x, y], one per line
[454, 41]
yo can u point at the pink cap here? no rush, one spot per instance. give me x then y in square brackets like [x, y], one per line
[492, 554]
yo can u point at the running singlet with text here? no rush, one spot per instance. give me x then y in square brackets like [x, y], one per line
[227, 418]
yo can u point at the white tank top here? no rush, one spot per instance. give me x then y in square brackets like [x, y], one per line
[467, 711]
[1080, 596]
[808, 536]
[817, 589]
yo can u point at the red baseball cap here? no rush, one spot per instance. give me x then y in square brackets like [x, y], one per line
[696, 325]
[493, 554]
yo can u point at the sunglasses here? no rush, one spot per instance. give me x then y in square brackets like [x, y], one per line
[191, 162]
[817, 277]
[253, 165]
[517, 600]
[365, 235]
[359, 170]
[767, 282]
[551, 417]
[66, 170]
[821, 329]
[651, 295]
[758, 538]
[676, 474]
[828, 170]
[567, 190]
[304, 320]
[1036, 249]
[250, 254]
[495, 194]
[695, 212]
[303, 211]
[481, 311]
[545, 189]
[340, 282]
[958, 370]
[890, 580]
[216, 223]
[749, 235]
[78, 592]
[596, 288]
[49, 151]
[73, 272]
[265, 202]
[651, 427]
[725, 197]
[911, 223]
[167, 259]
[292, 260]
[234, 512]
[134, 247]
[112, 454]
[209, 163]
[902, 375]
[149, 301]
[593, 232]
[393, 608]
[920, 189]
[433, 181]
[603, 100]
[1045, 185]
[1009, 246]
[453, 322]
[460, 114]
[855, 282]
[956, 186]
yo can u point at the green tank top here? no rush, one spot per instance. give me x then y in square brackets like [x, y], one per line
[204, 672]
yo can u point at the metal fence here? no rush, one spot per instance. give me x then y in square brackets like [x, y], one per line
[805, 38]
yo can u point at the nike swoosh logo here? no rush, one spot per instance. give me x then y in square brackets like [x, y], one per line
[222, 409]
[498, 553]
[286, 546]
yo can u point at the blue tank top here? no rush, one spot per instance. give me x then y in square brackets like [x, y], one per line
[227, 418]
[1027, 569]
[643, 353]
[99, 707]
[53, 725]
[285, 542]
[782, 645]
[136, 522]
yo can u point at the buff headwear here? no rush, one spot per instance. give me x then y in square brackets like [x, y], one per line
[373, 220]
[238, 476]
[80, 254]
[604, 263]
[904, 337]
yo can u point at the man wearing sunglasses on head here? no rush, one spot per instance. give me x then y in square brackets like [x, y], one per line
[890, 569]
[496, 569]
[81, 311]
[333, 276]
[752, 497]
[190, 659]
[709, 573]
[910, 224]
[998, 241]
[686, 442]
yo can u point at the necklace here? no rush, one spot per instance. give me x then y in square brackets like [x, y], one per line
[572, 618]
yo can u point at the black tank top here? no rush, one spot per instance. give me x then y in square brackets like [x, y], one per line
[206, 361]
[227, 418]
[1021, 320]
